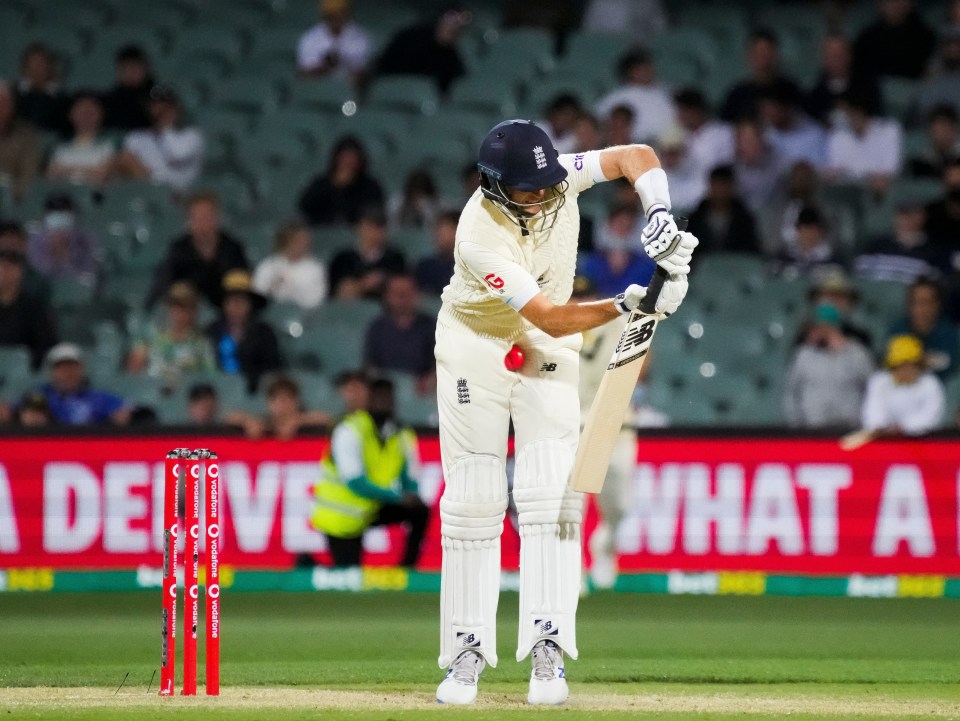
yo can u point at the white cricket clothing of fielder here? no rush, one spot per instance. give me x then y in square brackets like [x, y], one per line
[499, 268]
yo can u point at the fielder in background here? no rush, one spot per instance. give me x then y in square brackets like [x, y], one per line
[616, 498]
[507, 348]
[368, 478]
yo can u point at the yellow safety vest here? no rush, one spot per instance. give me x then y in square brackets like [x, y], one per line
[339, 511]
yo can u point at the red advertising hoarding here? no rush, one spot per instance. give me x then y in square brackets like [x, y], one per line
[774, 505]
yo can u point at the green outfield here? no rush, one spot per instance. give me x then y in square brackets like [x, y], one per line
[372, 656]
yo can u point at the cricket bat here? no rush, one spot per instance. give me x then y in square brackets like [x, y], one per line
[605, 417]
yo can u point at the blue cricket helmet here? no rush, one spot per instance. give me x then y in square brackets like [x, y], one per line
[520, 155]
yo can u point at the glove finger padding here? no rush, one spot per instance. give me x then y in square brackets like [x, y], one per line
[675, 257]
[630, 298]
[672, 294]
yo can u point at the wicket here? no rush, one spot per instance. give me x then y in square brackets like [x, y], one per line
[192, 466]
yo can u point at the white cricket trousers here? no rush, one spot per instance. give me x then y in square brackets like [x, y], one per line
[477, 398]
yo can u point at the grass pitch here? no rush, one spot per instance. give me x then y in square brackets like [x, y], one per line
[373, 656]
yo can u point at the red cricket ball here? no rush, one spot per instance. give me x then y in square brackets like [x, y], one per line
[513, 360]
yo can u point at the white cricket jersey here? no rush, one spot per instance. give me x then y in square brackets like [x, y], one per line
[498, 269]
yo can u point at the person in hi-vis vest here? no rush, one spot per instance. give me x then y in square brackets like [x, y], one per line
[368, 478]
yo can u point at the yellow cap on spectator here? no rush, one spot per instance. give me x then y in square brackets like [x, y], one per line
[904, 349]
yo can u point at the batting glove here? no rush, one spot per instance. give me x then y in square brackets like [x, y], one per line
[671, 295]
[666, 244]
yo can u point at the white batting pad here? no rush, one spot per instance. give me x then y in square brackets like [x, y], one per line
[550, 515]
[471, 513]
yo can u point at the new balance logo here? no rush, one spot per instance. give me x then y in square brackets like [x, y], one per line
[548, 367]
[467, 640]
[540, 157]
[463, 392]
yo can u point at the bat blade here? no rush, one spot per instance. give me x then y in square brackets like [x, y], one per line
[857, 439]
[605, 418]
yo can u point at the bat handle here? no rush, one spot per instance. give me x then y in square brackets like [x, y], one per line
[648, 305]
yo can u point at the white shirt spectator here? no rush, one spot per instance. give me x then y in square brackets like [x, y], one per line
[708, 146]
[624, 17]
[652, 105]
[303, 281]
[914, 408]
[877, 151]
[77, 156]
[351, 48]
[174, 156]
[805, 140]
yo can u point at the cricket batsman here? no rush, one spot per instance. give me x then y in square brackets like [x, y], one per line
[507, 345]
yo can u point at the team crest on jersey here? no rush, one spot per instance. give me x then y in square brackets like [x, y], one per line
[540, 157]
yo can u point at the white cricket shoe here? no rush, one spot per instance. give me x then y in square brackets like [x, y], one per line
[547, 682]
[460, 684]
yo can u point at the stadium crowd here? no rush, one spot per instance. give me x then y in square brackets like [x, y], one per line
[227, 247]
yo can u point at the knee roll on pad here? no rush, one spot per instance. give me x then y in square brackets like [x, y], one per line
[471, 511]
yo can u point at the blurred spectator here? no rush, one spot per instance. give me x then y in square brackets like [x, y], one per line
[242, 342]
[618, 256]
[623, 17]
[21, 151]
[943, 216]
[618, 126]
[33, 411]
[560, 120]
[757, 168]
[867, 149]
[904, 399]
[826, 376]
[336, 46]
[709, 142]
[61, 248]
[587, 133]
[344, 189]
[943, 147]
[557, 17]
[428, 49]
[88, 156]
[40, 99]
[902, 255]
[285, 413]
[416, 206]
[354, 389]
[433, 272]
[71, 399]
[810, 254]
[470, 180]
[178, 346]
[292, 274]
[835, 289]
[899, 42]
[203, 405]
[802, 190]
[722, 221]
[639, 89]
[790, 132]
[13, 238]
[763, 63]
[942, 87]
[836, 79]
[688, 184]
[168, 152]
[360, 272]
[125, 104]
[926, 321]
[402, 337]
[25, 319]
[202, 255]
